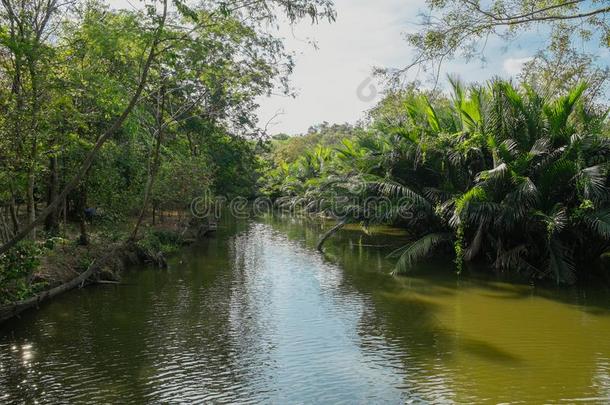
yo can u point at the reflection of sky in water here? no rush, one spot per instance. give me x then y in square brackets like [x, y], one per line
[308, 327]
[256, 315]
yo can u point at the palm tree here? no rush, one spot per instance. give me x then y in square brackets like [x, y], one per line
[499, 172]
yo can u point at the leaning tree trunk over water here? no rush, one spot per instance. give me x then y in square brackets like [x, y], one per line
[330, 233]
[118, 123]
[11, 310]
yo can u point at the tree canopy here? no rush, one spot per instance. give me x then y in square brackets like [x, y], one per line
[97, 100]
[494, 173]
[462, 28]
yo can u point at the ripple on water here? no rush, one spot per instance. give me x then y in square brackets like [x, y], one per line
[256, 316]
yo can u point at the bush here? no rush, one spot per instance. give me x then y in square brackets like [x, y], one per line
[16, 267]
[156, 241]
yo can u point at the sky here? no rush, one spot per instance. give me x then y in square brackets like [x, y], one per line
[333, 79]
[327, 78]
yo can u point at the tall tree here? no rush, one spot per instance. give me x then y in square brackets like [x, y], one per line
[462, 27]
[28, 27]
[201, 21]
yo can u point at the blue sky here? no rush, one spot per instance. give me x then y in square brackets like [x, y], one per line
[366, 34]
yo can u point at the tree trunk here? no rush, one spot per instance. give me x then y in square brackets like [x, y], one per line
[330, 232]
[30, 203]
[4, 231]
[81, 205]
[14, 216]
[192, 146]
[33, 129]
[52, 221]
[83, 239]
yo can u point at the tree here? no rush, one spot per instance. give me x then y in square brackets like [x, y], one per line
[107, 134]
[497, 173]
[462, 27]
[200, 25]
[28, 26]
[559, 68]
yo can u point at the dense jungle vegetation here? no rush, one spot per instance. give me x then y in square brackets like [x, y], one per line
[111, 118]
[496, 173]
[120, 114]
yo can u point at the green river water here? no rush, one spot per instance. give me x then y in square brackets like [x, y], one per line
[255, 315]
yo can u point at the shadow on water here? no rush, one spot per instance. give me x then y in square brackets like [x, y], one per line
[473, 337]
[255, 314]
[488, 352]
[438, 275]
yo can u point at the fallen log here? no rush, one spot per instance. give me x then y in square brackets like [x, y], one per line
[15, 308]
[108, 282]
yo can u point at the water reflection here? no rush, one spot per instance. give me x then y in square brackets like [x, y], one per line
[255, 315]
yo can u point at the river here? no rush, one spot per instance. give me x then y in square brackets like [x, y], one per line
[254, 314]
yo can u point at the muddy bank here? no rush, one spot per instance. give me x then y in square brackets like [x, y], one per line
[62, 268]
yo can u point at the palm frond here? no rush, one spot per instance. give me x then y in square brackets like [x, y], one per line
[433, 120]
[513, 260]
[558, 113]
[391, 188]
[516, 204]
[599, 222]
[541, 146]
[497, 173]
[557, 220]
[561, 263]
[418, 250]
[475, 194]
[593, 181]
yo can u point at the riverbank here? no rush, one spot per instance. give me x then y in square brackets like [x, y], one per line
[45, 268]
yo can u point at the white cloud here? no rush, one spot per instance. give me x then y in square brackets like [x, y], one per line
[366, 34]
[513, 66]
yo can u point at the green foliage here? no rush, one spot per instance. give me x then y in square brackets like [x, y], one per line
[289, 149]
[510, 177]
[156, 241]
[16, 267]
[112, 112]
[463, 28]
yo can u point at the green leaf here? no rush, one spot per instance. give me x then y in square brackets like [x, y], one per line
[417, 250]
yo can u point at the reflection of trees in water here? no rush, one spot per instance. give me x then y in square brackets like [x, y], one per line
[208, 328]
[400, 321]
[461, 364]
[393, 332]
[249, 317]
[84, 338]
